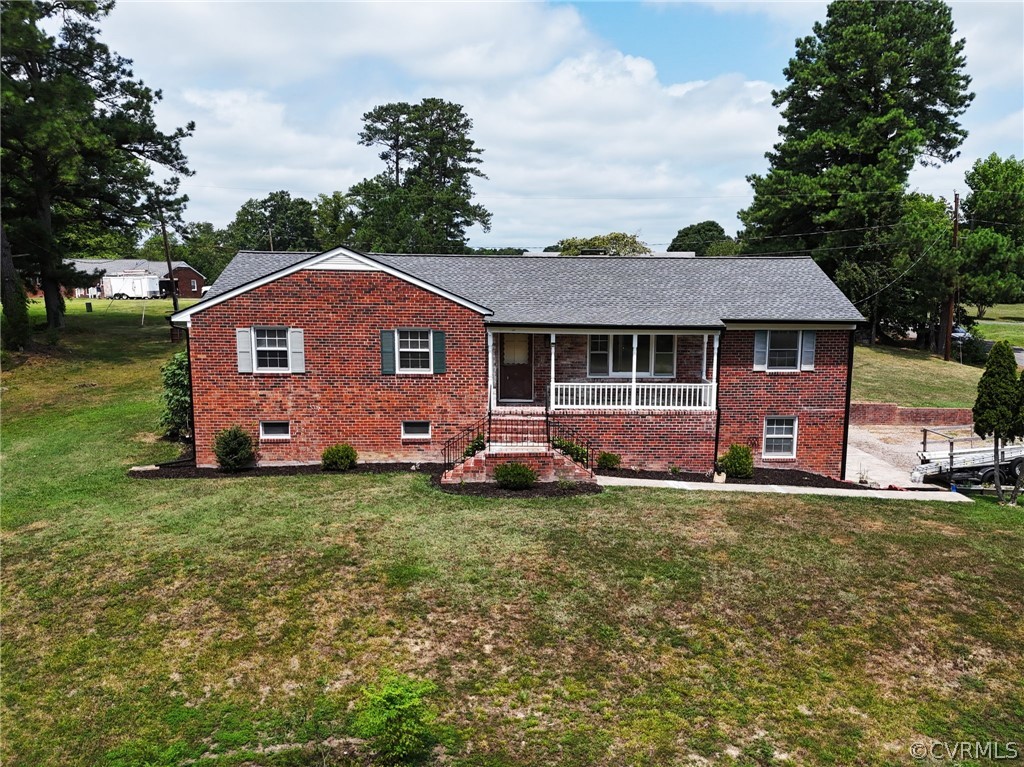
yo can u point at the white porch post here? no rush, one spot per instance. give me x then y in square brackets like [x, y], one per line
[704, 359]
[551, 389]
[632, 391]
[714, 375]
[490, 370]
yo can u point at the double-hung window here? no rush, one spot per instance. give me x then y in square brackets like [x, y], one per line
[414, 351]
[784, 349]
[264, 349]
[271, 345]
[612, 355]
[779, 437]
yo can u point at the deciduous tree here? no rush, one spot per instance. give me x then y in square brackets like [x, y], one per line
[277, 222]
[698, 238]
[612, 244]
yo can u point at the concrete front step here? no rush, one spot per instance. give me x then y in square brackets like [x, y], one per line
[550, 465]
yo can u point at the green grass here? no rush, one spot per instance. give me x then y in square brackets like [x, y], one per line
[1005, 313]
[234, 621]
[1003, 322]
[912, 378]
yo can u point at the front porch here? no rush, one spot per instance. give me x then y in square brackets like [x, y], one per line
[671, 370]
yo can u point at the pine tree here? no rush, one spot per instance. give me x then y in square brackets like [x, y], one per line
[997, 409]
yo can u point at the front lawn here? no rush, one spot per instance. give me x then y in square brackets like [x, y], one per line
[234, 621]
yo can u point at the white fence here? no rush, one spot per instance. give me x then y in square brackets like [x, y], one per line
[648, 396]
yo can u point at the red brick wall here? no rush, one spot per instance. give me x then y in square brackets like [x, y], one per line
[652, 440]
[817, 398]
[342, 396]
[184, 275]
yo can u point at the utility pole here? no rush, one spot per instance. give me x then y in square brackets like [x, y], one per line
[270, 233]
[951, 305]
[167, 256]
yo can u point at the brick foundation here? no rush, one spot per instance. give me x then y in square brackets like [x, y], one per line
[655, 440]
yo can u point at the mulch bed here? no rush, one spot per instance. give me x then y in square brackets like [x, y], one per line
[183, 469]
[792, 477]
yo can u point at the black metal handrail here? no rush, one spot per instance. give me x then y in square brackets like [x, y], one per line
[466, 443]
[565, 438]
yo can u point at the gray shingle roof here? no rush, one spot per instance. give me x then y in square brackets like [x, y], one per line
[639, 292]
[250, 265]
[602, 291]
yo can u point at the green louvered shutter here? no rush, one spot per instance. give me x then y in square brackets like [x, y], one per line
[440, 362]
[387, 352]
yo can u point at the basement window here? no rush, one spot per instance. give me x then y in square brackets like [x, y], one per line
[415, 429]
[275, 430]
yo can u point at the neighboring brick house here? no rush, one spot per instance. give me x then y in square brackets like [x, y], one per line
[666, 361]
[189, 281]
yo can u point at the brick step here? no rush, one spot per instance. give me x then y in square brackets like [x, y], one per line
[550, 465]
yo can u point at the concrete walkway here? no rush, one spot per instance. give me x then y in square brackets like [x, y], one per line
[898, 495]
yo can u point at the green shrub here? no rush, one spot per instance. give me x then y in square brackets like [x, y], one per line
[514, 476]
[234, 449]
[609, 461]
[177, 397]
[395, 718]
[738, 462]
[574, 450]
[475, 446]
[339, 458]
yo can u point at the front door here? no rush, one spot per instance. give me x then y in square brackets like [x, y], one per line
[515, 367]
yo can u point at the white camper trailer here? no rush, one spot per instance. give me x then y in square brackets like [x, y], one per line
[131, 285]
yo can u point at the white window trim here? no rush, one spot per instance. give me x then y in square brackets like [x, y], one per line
[799, 351]
[764, 439]
[398, 353]
[639, 373]
[424, 437]
[287, 350]
[275, 437]
[195, 285]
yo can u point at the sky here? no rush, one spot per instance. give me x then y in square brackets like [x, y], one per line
[594, 117]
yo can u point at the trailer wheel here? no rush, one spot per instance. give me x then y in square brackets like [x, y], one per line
[989, 476]
[1016, 468]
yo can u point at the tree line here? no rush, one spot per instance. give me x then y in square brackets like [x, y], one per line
[876, 88]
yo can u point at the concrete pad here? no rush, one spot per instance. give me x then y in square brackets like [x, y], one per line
[874, 468]
[896, 495]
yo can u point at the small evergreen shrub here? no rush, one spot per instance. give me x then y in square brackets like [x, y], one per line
[475, 446]
[514, 476]
[396, 719]
[177, 397]
[738, 462]
[609, 461]
[574, 450]
[234, 449]
[339, 458]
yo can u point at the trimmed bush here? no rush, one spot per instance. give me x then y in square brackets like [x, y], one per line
[474, 447]
[609, 461]
[396, 719]
[738, 462]
[574, 450]
[514, 476]
[339, 458]
[234, 449]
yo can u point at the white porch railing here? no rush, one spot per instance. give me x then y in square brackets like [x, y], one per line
[649, 396]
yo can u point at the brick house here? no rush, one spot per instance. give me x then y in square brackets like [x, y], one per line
[665, 361]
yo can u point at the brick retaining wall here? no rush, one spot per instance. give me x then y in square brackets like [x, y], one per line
[891, 414]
